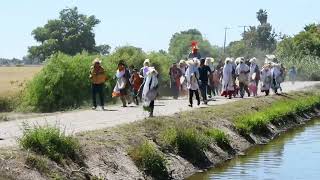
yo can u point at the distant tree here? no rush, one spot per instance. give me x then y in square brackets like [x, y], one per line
[103, 49]
[262, 16]
[180, 44]
[72, 33]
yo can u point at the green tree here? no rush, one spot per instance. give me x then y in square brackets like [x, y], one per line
[72, 33]
[262, 16]
[103, 49]
[180, 44]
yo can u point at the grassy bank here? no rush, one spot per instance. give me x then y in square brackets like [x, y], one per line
[175, 146]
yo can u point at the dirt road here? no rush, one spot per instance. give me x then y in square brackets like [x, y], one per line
[86, 120]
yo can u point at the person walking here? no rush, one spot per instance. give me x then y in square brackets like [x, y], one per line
[122, 84]
[98, 79]
[254, 76]
[292, 74]
[227, 79]
[136, 82]
[242, 72]
[266, 78]
[211, 91]
[192, 75]
[150, 90]
[204, 72]
[175, 75]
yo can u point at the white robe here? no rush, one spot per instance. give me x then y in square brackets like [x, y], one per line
[151, 76]
[227, 80]
[243, 77]
[266, 79]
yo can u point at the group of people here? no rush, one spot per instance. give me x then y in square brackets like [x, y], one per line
[189, 77]
[132, 85]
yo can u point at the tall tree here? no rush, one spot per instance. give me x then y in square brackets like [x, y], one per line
[262, 16]
[103, 49]
[72, 33]
[180, 44]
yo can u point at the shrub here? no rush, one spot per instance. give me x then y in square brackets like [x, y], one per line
[219, 136]
[6, 104]
[51, 142]
[168, 139]
[191, 144]
[151, 161]
[62, 83]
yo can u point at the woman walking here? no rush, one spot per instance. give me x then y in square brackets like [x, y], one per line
[192, 75]
[122, 84]
[227, 79]
[150, 90]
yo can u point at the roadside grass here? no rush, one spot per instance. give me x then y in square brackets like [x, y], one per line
[38, 163]
[150, 160]
[256, 122]
[51, 142]
[219, 137]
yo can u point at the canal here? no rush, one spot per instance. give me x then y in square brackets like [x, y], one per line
[293, 155]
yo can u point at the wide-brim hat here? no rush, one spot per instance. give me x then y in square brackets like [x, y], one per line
[96, 61]
[146, 61]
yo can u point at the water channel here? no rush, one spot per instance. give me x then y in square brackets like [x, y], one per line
[293, 155]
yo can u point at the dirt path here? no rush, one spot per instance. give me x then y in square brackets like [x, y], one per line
[86, 120]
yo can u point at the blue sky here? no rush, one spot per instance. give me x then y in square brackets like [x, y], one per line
[149, 24]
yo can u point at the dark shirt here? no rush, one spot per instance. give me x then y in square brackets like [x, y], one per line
[203, 72]
[196, 55]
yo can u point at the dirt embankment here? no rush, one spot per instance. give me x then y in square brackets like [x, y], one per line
[108, 155]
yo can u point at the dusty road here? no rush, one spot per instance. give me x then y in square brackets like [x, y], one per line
[86, 120]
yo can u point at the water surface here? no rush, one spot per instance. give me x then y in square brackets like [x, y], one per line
[293, 155]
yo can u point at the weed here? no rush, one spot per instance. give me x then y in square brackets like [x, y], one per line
[256, 122]
[151, 161]
[51, 142]
[37, 163]
[219, 136]
[191, 144]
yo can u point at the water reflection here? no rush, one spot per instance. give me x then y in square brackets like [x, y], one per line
[294, 155]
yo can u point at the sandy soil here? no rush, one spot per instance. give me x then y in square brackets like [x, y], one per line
[87, 120]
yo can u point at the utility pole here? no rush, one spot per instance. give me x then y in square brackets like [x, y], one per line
[244, 28]
[225, 40]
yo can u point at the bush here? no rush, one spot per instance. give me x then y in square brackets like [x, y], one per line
[219, 136]
[151, 161]
[191, 144]
[6, 104]
[50, 142]
[62, 83]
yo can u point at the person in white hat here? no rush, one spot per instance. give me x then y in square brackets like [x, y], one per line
[227, 79]
[242, 72]
[150, 90]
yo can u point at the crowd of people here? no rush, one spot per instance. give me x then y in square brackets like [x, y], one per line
[236, 77]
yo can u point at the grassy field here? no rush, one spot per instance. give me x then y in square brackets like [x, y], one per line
[12, 79]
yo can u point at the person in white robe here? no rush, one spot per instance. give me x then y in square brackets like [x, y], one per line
[266, 79]
[192, 76]
[227, 79]
[242, 72]
[150, 90]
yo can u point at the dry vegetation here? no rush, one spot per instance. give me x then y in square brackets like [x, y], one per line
[12, 79]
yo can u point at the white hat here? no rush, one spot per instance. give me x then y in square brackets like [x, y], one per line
[253, 60]
[96, 60]
[146, 61]
[228, 59]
